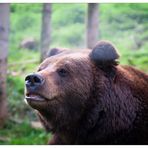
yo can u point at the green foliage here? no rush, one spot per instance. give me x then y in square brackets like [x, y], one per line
[17, 8]
[137, 59]
[15, 92]
[25, 22]
[23, 133]
[71, 14]
[68, 25]
[68, 37]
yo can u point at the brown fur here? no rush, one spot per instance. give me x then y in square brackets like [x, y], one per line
[92, 104]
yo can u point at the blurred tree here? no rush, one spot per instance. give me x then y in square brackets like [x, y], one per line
[46, 30]
[92, 24]
[4, 32]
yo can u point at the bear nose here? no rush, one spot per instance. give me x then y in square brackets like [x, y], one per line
[33, 81]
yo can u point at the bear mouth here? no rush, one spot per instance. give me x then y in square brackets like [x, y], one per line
[36, 101]
[34, 97]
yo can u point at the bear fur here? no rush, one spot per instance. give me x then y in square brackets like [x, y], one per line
[89, 98]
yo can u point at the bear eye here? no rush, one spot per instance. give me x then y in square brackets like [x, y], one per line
[62, 72]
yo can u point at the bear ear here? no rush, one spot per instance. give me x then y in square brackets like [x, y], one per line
[104, 54]
[55, 51]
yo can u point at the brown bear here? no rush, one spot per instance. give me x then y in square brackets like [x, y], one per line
[87, 97]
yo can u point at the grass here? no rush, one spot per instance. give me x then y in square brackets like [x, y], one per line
[137, 59]
[22, 134]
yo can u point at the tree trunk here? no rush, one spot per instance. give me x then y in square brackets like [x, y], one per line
[46, 30]
[92, 24]
[4, 31]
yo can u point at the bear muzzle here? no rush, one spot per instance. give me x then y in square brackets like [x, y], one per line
[33, 83]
